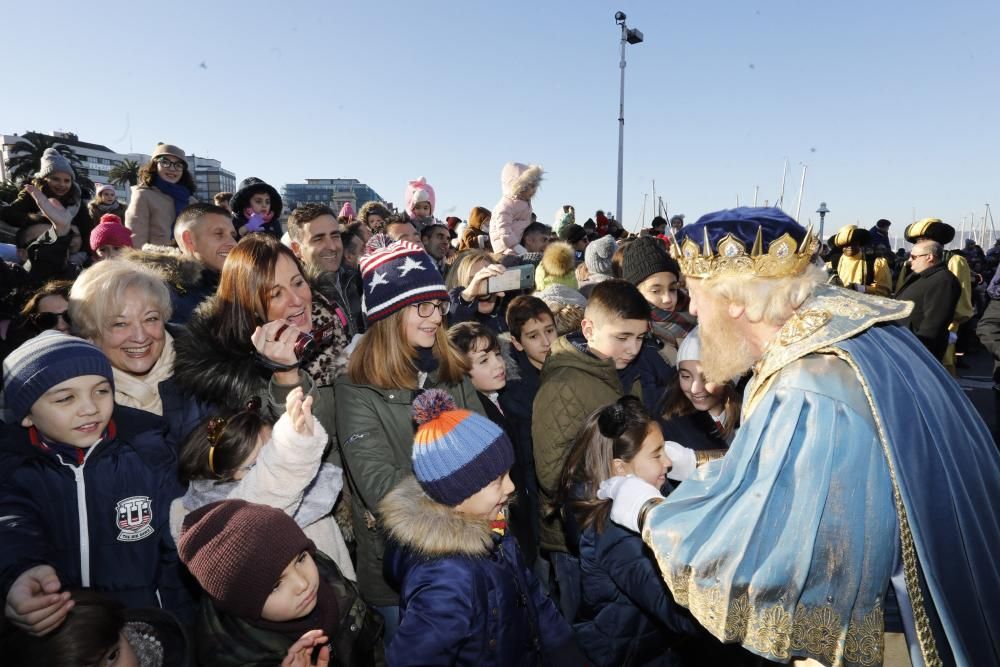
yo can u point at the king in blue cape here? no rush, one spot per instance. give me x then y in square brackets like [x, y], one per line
[860, 495]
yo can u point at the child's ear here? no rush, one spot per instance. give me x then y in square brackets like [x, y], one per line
[619, 467]
[517, 345]
[587, 328]
[26, 422]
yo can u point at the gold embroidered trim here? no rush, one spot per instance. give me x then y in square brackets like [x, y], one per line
[925, 636]
[813, 632]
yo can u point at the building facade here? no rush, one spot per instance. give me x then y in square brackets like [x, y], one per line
[97, 161]
[210, 178]
[334, 192]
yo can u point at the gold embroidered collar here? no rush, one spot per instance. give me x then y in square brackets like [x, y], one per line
[830, 315]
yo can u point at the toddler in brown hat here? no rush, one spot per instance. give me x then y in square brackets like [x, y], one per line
[270, 595]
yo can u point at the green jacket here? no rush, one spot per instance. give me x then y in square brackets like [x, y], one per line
[375, 432]
[574, 384]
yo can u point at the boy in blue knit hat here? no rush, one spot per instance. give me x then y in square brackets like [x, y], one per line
[85, 488]
[466, 595]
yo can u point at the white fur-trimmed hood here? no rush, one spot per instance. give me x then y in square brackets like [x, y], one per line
[516, 178]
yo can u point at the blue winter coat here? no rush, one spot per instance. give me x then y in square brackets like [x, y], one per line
[634, 619]
[181, 412]
[466, 597]
[102, 524]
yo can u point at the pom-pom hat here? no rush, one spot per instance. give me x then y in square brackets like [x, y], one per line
[110, 232]
[398, 276]
[419, 191]
[456, 453]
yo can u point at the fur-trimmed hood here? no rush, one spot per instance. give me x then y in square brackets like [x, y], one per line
[517, 178]
[428, 528]
[183, 273]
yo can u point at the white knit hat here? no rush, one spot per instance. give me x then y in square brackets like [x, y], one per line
[690, 347]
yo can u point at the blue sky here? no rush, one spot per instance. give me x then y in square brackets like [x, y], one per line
[892, 105]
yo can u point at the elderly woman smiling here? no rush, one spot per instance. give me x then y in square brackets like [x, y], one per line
[122, 308]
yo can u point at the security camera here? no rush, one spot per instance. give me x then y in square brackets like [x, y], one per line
[619, 16]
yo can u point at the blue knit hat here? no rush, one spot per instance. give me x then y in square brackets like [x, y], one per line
[43, 362]
[398, 276]
[456, 452]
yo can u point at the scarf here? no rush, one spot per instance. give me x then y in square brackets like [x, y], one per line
[143, 392]
[176, 191]
[324, 616]
[327, 361]
[675, 324]
[107, 208]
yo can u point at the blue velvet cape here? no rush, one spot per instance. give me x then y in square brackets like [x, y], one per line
[859, 458]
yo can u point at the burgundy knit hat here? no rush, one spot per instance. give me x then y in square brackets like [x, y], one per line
[111, 232]
[237, 550]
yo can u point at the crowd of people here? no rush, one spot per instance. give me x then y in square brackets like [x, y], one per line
[240, 435]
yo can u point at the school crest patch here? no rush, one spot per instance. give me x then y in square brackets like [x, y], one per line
[135, 517]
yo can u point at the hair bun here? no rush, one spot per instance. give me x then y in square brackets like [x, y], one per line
[612, 420]
[431, 404]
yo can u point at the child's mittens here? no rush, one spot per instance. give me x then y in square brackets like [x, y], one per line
[255, 223]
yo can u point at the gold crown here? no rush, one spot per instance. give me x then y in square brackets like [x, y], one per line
[785, 257]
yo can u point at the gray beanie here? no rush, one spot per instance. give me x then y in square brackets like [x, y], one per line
[54, 161]
[598, 255]
[561, 294]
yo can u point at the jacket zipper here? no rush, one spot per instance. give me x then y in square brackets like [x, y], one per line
[83, 517]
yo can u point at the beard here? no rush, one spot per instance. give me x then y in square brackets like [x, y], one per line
[725, 354]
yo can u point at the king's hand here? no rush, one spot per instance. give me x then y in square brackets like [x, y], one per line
[630, 496]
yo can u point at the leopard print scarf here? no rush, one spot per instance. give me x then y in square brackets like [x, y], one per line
[329, 361]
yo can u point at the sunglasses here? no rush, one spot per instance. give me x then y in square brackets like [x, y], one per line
[46, 321]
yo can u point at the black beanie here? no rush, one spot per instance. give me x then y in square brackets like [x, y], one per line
[644, 257]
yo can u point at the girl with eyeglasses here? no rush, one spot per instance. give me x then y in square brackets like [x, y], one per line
[244, 455]
[404, 352]
[165, 188]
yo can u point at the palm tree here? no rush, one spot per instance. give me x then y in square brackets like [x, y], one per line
[26, 156]
[124, 173]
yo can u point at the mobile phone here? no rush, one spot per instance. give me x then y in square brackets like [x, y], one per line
[513, 279]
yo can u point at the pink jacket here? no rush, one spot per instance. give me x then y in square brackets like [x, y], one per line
[511, 215]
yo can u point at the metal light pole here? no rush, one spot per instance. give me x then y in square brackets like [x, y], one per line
[630, 36]
[822, 210]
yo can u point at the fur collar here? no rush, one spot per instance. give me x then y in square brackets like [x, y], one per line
[429, 528]
[181, 272]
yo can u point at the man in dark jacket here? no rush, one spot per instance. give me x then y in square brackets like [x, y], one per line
[316, 240]
[934, 292]
[988, 329]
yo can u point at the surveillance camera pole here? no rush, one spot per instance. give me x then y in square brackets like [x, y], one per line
[621, 123]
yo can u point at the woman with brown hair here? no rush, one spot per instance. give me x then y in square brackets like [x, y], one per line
[165, 188]
[468, 284]
[404, 351]
[262, 334]
[699, 418]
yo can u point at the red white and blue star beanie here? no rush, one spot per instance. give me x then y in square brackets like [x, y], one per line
[398, 276]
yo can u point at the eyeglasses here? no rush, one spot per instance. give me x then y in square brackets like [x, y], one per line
[427, 308]
[46, 321]
[912, 256]
[167, 163]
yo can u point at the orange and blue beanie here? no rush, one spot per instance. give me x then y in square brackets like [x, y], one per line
[456, 452]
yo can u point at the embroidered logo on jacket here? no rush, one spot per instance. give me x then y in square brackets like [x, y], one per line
[134, 516]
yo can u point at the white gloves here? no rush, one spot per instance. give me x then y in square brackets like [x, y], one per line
[629, 494]
[683, 459]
